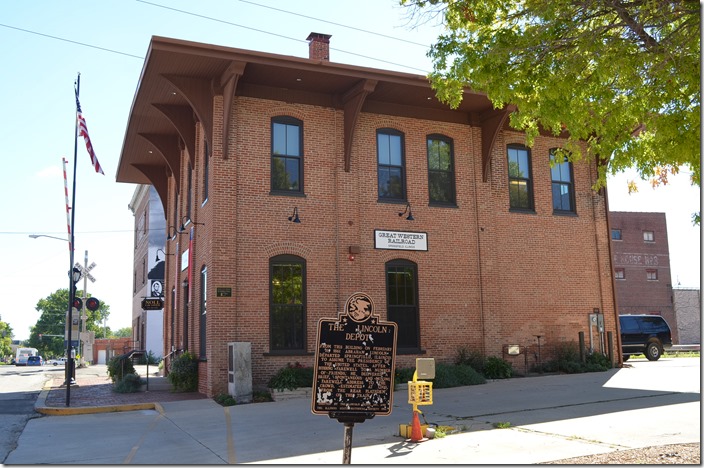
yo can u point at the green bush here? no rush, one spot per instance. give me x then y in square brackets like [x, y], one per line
[473, 359]
[497, 368]
[184, 373]
[225, 399]
[568, 361]
[120, 366]
[130, 383]
[261, 396]
[453, 375]
[403, 375]
[292, 377]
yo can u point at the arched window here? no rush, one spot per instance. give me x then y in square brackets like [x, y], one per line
[286, 155]
[562, 185]
[391, 164]
[287, 303]
[402, 303]
[520, 181]
[441, 170]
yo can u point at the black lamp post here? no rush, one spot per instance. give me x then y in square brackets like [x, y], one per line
[75, 275]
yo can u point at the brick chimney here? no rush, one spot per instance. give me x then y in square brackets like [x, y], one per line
[319, 46]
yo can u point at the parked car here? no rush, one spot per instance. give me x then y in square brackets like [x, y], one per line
[35, 361]
[644, 334]
[57, 362]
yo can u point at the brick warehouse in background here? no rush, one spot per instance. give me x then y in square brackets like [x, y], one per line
[240, 145]
[642, 266]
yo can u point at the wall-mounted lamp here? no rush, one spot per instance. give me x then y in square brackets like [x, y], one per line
[353, 251]
[173, 231]
[185, 220]
[410, 213]
[184, 283]
[294, 217]
[157, 254]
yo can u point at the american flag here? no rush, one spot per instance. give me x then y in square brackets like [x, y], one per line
[83, 131]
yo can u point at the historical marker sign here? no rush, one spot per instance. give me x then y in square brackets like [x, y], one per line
[354, 362]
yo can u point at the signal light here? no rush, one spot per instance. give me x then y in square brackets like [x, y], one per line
[92, 304]
[77, 303]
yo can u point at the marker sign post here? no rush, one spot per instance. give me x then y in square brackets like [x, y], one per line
[354, 366]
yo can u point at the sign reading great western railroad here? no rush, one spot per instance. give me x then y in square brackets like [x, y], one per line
[354, 362]
[397, 240]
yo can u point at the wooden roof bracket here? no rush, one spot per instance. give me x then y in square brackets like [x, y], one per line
[199, 94]
[353, 100]
[168, 146]
[181, 117]
[491, 123]
[158, 178]
[228, 82]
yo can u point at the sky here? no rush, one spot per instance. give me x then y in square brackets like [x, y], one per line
[47, 43]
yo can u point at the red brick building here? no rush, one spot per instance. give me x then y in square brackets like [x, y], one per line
[290, 183]
[642, 265]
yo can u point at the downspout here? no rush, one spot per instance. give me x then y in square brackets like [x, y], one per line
[479, 271]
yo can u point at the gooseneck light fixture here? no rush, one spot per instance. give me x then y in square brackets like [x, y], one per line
[407, 210]
[185, 220]
[294, 216]
[162, 251]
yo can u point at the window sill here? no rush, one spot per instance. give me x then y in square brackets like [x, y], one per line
[569, 214]
[521, 211]
[288, 352]
[392, 201]
[287, 194]
[442, 205]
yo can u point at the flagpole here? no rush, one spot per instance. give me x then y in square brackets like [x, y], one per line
[72, 283]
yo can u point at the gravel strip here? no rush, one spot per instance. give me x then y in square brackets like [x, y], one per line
[677, 454]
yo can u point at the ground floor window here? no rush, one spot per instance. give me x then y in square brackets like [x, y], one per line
[287, 303]
[402, 303]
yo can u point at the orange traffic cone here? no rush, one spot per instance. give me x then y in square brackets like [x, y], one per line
[416, 432]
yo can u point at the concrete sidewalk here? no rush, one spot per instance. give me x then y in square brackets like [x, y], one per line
[551, 418]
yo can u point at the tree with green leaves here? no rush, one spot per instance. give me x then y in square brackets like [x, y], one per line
[5, 340]
[125, 332]
[621, 75]
[52, 321]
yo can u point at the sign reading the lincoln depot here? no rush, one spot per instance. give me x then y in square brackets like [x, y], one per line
[354, 361]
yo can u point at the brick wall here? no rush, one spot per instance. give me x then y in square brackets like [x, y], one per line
[490, 277]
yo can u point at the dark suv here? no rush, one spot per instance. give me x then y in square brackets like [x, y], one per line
[644, 334]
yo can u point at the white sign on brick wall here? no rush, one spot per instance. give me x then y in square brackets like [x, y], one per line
[399, 240]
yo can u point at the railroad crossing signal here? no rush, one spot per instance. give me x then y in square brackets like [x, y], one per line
[86, 271]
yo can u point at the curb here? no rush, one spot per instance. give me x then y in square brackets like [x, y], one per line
[40, 407]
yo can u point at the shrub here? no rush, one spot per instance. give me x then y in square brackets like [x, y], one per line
[130, 383]
[184, 373]
[261, 396]
[225, 399]
[120, 366]
[292, 377]
[497, 368]
[453, 375]
[469, 358]
[567, 360]
[403, 375]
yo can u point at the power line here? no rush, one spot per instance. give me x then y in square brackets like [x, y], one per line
[210, 18]
[336, 24]
[71, 41]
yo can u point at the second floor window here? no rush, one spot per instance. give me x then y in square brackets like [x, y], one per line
[391, 169]
[562, 185]
[520, 184]
[286, 155]
[441, 170]
[648, 236]
[651, 275]
[616, 234]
